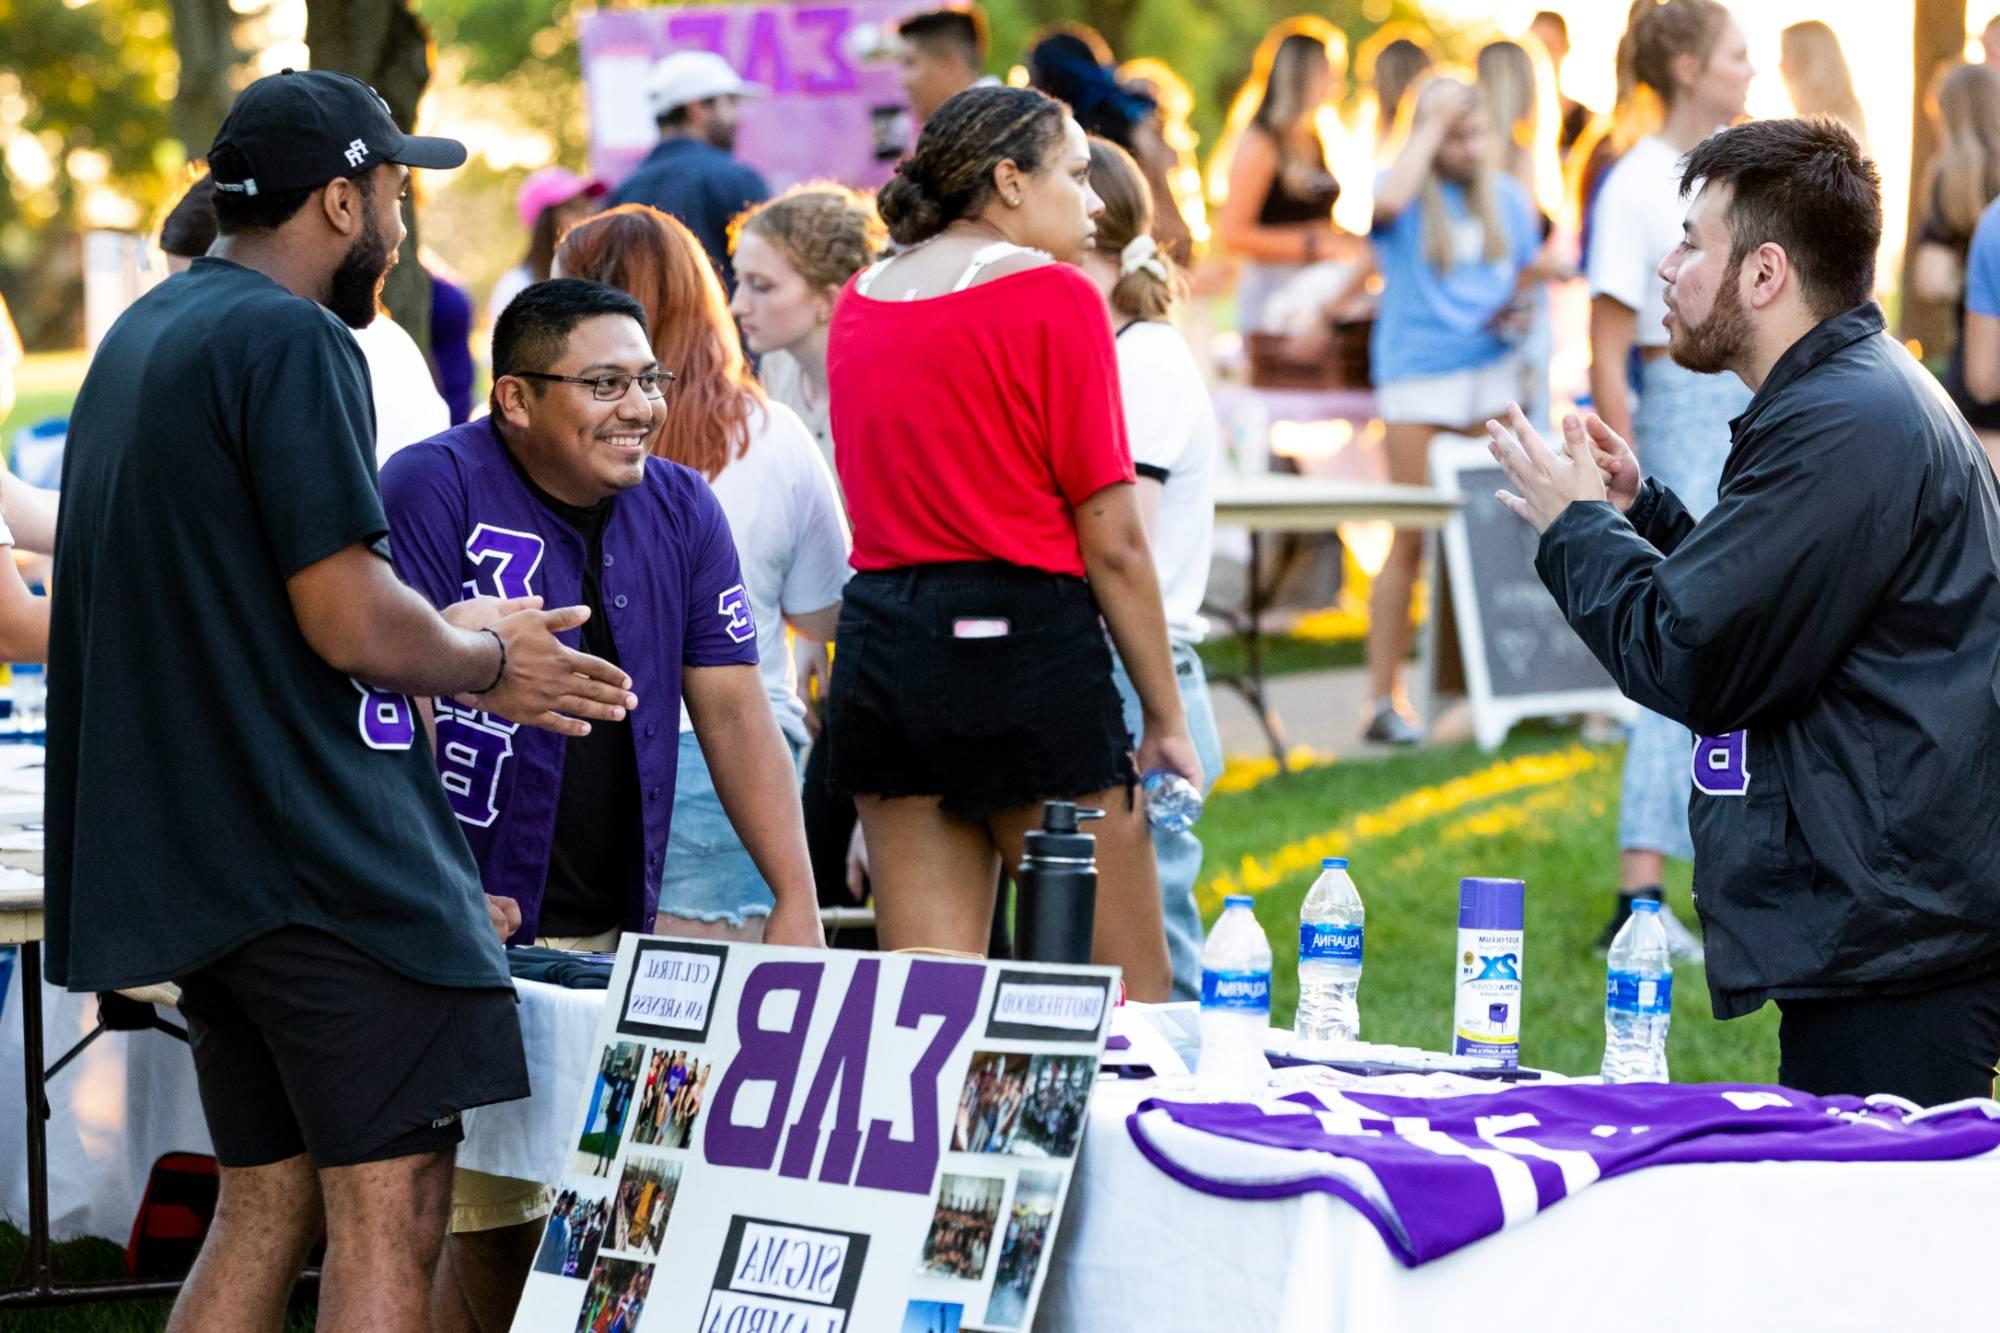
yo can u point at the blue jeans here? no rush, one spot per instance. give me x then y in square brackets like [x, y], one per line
[709, 874]
[1178, 855]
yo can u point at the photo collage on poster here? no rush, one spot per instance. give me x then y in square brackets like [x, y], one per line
[1015, 1131]
[611, 1216]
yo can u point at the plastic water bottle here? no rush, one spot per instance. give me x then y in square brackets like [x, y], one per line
[1235, 1001]
[1172, 803]
[28, 692]
[1638, 999]
[1330, 930]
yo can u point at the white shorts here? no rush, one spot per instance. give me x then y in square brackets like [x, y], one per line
[1456, 400]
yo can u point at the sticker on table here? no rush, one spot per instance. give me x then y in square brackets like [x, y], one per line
[932, 1317]
[572, 1235]
[670, 1098]
[670, 990]
[777, 1275]
[961, 1234]
[1048, 1006]
[1023, 1105]
[610, 1100]
[617, 1296]
[1028, 1223]
[645, 1198]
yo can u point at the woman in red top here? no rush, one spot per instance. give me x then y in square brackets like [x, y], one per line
[974, 390]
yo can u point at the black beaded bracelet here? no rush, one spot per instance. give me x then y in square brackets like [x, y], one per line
[500, 674]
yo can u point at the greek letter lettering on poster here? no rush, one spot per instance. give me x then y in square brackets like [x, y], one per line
[819, 1142]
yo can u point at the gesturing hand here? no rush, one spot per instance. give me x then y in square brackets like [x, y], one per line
[549, 685]
[1616, 462]
[481, 612]
[1546, 482]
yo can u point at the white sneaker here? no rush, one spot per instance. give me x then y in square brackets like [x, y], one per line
[1683, 945]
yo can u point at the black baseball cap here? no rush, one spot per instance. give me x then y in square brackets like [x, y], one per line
[299, 129]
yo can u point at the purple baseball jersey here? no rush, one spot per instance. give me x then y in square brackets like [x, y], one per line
[1436, 1173]
[463, 523]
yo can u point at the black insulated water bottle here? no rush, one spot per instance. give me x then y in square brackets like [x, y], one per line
[1055, 898]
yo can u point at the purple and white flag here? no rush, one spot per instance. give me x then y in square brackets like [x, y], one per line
[1436, 1173]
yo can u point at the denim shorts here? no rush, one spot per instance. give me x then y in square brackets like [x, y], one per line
[985, 685]
[709, 874]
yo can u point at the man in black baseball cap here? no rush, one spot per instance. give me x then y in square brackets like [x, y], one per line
[240, 698]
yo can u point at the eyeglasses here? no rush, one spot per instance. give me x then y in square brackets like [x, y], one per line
[609, 388]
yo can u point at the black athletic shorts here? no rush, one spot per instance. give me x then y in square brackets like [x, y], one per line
[302, 1043]
[987, 685]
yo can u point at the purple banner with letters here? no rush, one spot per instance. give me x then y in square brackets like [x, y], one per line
[835, 109]
[844, 1141]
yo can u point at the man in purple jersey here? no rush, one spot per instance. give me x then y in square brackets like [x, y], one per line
[556, 495]
[1830, 630]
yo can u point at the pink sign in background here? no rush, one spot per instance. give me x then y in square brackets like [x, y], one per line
[835, 109]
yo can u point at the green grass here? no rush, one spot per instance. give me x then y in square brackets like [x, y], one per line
[1558, 835]
[95, 1260]
[1283, 655]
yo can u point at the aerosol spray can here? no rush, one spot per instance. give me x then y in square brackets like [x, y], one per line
[1486, 1018]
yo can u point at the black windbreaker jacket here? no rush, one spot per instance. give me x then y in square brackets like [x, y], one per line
[1831, 633]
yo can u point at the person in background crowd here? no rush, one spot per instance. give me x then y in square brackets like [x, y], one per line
[549, 202]
[941, 54]
[1831, 628]
[1072, 63]
[793, 256]
[1693, 58]
[984, 457]
[1171, 424]
[552, 495]
[1277, 202]
[1166, 154]
[784, 516]
[692, 174]
[340, 969]
[451, 340]
[1390, 63]
[1552, 31]
[408, 407]
[1979, 357]
[1963, 179]
[1456, 242]
[1521, 142]
[1816, 77]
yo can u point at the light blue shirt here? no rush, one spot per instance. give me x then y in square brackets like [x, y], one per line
[1437, 324]
[1982, 265]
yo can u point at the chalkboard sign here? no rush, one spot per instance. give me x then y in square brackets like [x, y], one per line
[1521, 657]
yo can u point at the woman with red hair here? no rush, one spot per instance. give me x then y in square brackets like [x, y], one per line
[784, 514]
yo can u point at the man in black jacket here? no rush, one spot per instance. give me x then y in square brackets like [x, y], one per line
[1831, 631]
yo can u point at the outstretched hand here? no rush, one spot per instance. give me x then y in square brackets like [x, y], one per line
[1616, 462]
[1545, 483]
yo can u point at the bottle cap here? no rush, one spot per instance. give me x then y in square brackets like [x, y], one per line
[1239, 900]
[1490, 904]
[1333, 863]
[1645, 904]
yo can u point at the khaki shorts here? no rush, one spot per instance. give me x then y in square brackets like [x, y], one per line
[484, 1202]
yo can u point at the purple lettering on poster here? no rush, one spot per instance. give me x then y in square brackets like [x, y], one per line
[706, 31]
[1722, 764]
[764, 53]
[846, 1060]
[387, 720]
[949, 991]
[506, 560]
[832, 22]
[470, 759]
[767, 1055]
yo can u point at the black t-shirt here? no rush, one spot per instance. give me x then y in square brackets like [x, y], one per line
[210, 777]
[598, 848]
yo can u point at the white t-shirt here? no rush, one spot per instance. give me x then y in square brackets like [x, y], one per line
[505, 288]
[408, 406]
[786, 382]
[1634, 223]
[791, 541]
[1172, 427]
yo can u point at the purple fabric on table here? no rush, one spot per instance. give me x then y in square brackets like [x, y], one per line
[1437, 1173]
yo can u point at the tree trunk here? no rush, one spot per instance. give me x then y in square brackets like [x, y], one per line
[205, 41]
[1940, 40]
[384, 44]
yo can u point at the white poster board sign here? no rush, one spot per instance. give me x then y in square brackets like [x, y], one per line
[820, 1141]
[1521, 658]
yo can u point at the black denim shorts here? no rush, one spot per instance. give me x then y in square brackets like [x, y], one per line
[986, 685]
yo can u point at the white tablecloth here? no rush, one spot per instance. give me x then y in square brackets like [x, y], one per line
[534, 1139]
[1766, 1246]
